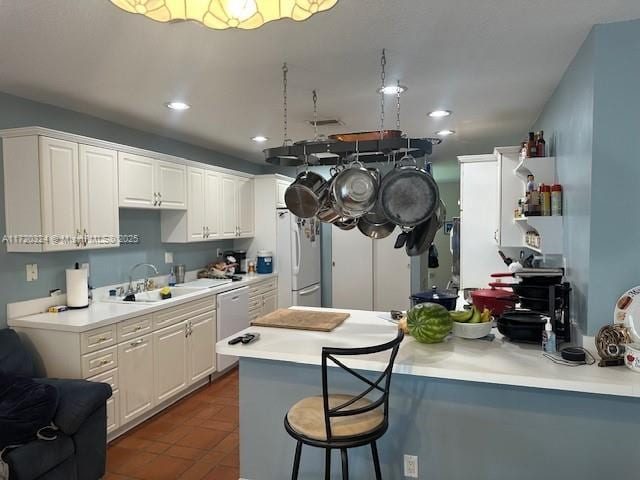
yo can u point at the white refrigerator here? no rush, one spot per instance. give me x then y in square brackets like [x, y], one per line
[298, 260]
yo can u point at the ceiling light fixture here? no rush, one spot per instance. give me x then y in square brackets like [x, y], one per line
[223, 14]
[392, 89]
[440, 113]
[445, 133]
[260, 138]
[178, 106]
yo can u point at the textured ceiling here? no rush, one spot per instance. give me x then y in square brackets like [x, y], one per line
[493, 62]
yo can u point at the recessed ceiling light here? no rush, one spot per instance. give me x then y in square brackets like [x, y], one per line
[260, 138]
[445, 133]
[178, 106]
[440, 113]
[392, 89]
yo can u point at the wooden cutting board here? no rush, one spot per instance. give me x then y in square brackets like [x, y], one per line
[301, 320]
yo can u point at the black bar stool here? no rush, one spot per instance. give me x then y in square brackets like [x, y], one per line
[340, 422]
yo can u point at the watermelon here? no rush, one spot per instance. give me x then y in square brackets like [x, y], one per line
[429, 322]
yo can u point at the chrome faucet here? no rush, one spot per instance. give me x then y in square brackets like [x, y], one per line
[146, 280]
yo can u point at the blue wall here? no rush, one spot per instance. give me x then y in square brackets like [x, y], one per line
[107, 266]
[568, 124]
[458, 430]
[594, 119]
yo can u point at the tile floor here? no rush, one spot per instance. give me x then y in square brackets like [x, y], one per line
[195, 439]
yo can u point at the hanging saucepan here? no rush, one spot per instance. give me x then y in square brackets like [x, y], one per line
[409, 196]
[354, 191]
[420, 239]
[304, 195]
[327, 212]
[346, 223]
[375, 225]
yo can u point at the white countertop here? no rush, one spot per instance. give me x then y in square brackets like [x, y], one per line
[498, 362]
[101, 313]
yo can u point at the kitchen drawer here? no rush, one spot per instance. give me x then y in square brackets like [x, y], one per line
[134, 327]
[97, 339]
[177, 314]
[254, 314]
[99, 362]
[113, 412]
[110, 377]
[255, 302]
[263, 287]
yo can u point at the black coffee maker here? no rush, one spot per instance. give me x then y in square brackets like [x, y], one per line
[241, 259]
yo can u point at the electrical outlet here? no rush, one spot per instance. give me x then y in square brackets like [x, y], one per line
[32, 272]
[218, 252]
[168, 257]
[85, 266]
[411, 466]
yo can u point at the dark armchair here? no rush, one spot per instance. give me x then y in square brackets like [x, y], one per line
[79, 451]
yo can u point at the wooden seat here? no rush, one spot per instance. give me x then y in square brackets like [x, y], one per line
[307, 418]
[338, 421]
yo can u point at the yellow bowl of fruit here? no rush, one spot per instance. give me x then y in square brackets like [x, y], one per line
[472, 323]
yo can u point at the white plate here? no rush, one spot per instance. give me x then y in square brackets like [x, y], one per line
[627, 312]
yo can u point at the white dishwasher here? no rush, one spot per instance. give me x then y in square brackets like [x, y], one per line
[233, 316]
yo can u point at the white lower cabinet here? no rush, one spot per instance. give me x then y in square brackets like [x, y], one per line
[170, 360]
[136, 371]
[263, 298]
[202, 341]
[149, 360]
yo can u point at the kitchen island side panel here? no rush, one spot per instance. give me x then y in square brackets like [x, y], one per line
[459, 430]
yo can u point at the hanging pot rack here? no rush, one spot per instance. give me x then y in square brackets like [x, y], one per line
[323, 151]
[332, 152]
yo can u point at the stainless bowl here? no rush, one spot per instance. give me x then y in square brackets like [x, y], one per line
[354, 191]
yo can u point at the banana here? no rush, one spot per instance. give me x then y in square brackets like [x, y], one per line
[485, 316]
[461, 316]
[476, 318]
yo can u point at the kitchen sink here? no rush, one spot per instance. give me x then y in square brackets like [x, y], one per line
[153, 296]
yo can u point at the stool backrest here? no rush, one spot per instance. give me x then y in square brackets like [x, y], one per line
[380, 385]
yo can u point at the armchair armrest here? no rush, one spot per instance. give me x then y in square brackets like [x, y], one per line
[78, 399]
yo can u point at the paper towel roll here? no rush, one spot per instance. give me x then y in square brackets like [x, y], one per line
[77, 288]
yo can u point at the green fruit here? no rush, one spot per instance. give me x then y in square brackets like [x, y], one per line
[429, 322]
[461, 316]
[476, 317]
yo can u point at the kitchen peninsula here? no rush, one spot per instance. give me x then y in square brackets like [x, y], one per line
[463, 399]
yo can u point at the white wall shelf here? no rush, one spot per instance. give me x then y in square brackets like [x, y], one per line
[542, 168]
[550, 231]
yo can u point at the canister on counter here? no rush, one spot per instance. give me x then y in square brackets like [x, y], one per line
[556, 200]
[545, 200]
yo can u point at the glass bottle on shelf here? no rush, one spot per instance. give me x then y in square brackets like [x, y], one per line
[541, 145]
[531, 146]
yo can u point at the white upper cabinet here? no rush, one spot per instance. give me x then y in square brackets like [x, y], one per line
[201, 221]
[212, 205]
[148, 183]
[236, 206]
[59, 182]
[228, 206]
[245, 207]
[508, 234]
[136, 182]
[99, 219]
[281, 188]
[196, 205]
[171, 185]
[59, 195]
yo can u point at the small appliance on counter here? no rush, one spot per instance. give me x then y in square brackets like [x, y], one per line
[239, 258]
[77, 287]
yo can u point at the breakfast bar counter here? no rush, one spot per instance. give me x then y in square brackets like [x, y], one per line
[499, 405]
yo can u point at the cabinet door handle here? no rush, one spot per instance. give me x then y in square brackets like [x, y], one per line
[159, 199]
[77, 240]
[155, 199]
[86, 237]
[186, 330]
[137, 342]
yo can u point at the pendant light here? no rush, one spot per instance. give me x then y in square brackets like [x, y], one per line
[224, 14]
